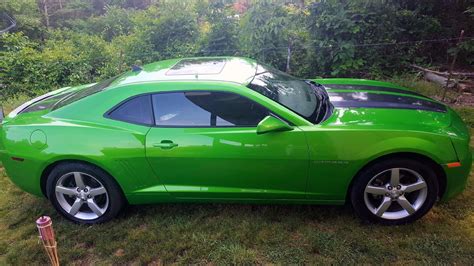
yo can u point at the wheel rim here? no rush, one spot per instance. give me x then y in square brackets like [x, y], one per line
[395, 193]
[82, 195]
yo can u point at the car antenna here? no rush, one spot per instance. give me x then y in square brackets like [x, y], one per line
[137, 66]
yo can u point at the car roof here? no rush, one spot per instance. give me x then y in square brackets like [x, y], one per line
[227, 69]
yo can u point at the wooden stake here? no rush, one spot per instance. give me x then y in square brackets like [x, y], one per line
[45, 228]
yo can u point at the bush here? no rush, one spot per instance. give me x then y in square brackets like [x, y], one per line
[338, 28]
[90, 40]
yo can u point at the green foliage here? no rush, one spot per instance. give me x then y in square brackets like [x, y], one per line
[223, 30]
[65, 58]
[90, 40]
[338, 27]
[465, 51]
[176, 32]
[264, 33]
[25, 12]
[115, 22]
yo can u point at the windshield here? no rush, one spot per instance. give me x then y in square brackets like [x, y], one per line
[295, 94]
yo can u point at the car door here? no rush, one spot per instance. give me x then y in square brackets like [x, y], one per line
[204, 145]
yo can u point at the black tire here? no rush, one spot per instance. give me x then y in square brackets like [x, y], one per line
[116, 199]
[357, 192]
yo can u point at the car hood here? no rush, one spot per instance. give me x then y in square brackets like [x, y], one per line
[382, 104]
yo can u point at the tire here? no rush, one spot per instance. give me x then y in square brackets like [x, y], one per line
[97, 199]
[376, 197]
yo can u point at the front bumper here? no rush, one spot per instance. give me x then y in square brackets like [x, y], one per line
[457, 178]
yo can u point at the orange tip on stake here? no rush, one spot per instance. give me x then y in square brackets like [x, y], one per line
[452, 165]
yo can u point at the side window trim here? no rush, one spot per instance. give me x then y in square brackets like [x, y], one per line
[123, 102]
[153, 124]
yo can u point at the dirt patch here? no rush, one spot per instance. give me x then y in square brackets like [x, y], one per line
[465, 99]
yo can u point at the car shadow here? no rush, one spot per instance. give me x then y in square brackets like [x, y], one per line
[244, 211]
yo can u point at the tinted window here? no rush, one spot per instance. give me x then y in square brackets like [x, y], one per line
[45, 104]
[206, 109]
[84, 93]
[136, 110]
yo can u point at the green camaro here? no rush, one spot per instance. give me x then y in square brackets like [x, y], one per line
[231, 129]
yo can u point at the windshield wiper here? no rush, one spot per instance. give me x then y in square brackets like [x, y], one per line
[324, 105]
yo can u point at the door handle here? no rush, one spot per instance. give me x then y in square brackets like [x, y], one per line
[165, 144]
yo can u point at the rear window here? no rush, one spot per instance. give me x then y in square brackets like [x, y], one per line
[45, 104]
[84, 93]
[62, 99]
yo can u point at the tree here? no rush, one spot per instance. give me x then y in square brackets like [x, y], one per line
[175, 33]
[347, 36]
[263, 33]
[27, 16]
[222, 36]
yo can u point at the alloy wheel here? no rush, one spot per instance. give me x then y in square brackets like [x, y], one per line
[82, 195]
[395, 193]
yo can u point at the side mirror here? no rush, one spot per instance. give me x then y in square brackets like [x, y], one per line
[272, 124]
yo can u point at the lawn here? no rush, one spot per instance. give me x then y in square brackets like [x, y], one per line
[235, 233]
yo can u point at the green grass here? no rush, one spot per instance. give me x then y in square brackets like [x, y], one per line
[226, 233]
[222, 233]
[422, 86]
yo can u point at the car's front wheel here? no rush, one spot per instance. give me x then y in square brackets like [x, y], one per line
[395, 191]
[84, 193]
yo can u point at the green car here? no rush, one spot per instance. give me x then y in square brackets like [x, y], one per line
[228, 129]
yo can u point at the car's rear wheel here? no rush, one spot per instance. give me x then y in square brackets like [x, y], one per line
[395, 191]
[84, 193]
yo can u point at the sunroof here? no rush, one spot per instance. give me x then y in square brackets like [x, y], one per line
[199, 66]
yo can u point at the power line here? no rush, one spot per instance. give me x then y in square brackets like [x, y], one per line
[249, 51]
[345, 44]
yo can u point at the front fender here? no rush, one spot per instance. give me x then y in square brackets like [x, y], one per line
[441, 152]
[337, 155]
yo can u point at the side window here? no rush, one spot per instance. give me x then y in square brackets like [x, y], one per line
[137, 110]
[206, 109]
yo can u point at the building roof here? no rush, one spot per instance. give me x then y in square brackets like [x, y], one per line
[227, 69]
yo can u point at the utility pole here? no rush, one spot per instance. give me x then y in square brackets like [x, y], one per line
[45, 12]
[288, 58]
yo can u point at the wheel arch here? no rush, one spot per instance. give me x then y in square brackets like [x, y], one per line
[438, 169]
[47, 170]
